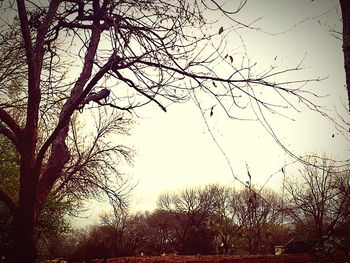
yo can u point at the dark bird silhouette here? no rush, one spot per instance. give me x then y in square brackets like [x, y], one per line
[95, 97]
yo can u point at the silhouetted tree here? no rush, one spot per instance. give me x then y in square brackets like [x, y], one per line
[161, 235]
[52, 220]
[257, 214]
[224, 220]
[318, 206]
[142, 52]
[190, 209]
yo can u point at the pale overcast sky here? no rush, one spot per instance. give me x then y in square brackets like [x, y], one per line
[175, 150]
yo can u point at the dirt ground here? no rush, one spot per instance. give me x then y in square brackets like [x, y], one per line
[296, 258]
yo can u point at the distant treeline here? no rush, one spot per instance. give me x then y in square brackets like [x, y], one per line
[311, 214]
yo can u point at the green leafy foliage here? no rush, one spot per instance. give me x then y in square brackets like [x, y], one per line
[51, 222]
[8, 180]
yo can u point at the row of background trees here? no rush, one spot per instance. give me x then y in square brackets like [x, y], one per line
[314, 212]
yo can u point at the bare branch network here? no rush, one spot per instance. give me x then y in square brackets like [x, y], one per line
[63, 58]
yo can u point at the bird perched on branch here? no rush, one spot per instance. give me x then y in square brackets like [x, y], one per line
[98, 96]
[95, 97]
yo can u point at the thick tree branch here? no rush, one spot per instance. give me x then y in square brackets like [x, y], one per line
[59, 155]
[10, 204]
[26, 35]
[42, 30]
[34, 75]
[10, 135]
[345, 9]
[33, 83]
[10, 122]
[55, 165]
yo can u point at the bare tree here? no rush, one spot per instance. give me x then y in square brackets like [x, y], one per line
[257, 214]
[225, 218]
[124, 54]
[92, 170]
[161, 235]
[190, 209]
[318, 204]
[128, 233]
[94, 156]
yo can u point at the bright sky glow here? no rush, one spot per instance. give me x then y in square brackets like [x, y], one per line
[175, 150]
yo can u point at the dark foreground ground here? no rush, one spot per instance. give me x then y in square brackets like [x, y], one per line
[295, 258]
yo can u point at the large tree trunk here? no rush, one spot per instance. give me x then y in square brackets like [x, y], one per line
[34, 191]
[24, 249]
[345, 8]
